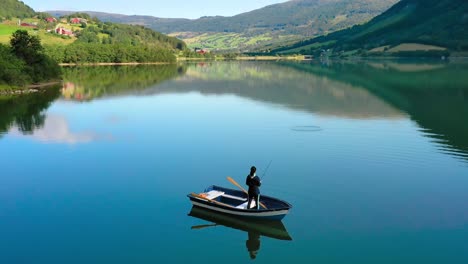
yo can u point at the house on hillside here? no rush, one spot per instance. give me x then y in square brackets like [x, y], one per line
[23, 24]
[63, 31]
[77, 20]
[51, 20]
[200, 51]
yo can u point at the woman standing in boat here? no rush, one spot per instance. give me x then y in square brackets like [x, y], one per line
[253, 181]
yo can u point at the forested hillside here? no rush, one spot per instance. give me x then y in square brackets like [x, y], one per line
[14, 8]
[442, 23]
[297, 19]
[106, 42]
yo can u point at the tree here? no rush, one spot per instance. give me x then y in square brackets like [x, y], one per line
[29, 49]
[26, 47]
[11, 68]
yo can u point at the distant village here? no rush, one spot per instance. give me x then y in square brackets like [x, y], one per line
[59, 28]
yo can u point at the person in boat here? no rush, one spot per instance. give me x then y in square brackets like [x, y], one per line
[253, 181]
[253, 244]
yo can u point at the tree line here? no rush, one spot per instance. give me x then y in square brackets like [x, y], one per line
[115, 53]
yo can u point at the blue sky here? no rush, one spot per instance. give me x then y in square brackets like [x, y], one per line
[158, 8]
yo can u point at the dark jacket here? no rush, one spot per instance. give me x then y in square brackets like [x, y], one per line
[253, 183]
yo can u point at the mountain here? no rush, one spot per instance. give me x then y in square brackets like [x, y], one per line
[417, 24]
[292, 20]
[14, 8]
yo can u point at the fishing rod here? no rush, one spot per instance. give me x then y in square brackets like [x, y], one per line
[264, 173]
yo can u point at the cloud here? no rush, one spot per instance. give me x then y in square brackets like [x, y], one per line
[57, 130]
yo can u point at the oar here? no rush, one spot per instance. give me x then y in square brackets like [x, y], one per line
[240, 187]
[213, 201]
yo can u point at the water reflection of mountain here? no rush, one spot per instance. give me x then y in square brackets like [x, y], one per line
[255, 229]
[270, 82]
[434, 95]
[87, 83]
[26, 111]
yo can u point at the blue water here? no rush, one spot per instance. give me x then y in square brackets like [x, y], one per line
[376, 169]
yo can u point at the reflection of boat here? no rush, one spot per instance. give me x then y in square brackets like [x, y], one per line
[273, 229]
[234, 202]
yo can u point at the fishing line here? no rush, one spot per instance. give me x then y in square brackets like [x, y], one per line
[264, 173]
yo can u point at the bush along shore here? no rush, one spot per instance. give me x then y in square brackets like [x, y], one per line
[24, 63]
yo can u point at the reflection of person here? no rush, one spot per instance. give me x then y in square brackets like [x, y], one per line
[253, 244]
[253, 181]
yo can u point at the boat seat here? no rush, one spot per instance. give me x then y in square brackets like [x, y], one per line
[212, 194]
[234, 197]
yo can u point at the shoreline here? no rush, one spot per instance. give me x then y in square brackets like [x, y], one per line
[28, 89]
[246, 58]
[114, 63]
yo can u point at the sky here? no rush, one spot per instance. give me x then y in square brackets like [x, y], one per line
[158, 8]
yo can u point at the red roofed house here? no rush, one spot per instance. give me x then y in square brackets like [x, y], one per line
[75, 20]
[28, 25]
[62, 31]
[201, 51]
[51, 19]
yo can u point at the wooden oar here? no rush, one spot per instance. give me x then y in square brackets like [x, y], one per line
[240, 187]
[213, 201]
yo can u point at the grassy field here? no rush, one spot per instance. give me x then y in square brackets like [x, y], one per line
[407, 47]
[6, 31]
[216, 40]
[338, 19]
[414, 47]
[380, 49]
[46, 38]
[231, 41]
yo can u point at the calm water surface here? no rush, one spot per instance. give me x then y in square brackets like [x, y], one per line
[373, 157]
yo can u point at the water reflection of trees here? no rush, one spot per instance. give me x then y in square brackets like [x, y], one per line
[26, 111]
[435, 95]
[87, 83]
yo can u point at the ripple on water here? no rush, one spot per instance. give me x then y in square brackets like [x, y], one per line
[444, 145]
[306, 128]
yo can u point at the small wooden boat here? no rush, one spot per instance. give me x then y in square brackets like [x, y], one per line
[234, 202]
[272, 229]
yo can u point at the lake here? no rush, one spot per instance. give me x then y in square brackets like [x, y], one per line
[373, 156]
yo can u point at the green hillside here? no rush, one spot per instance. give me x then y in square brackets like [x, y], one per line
[439, 23]
[279, 23]
[14, 8]
[94, 41]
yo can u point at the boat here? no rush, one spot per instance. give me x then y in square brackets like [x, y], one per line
[273, 229]
[234, 203]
